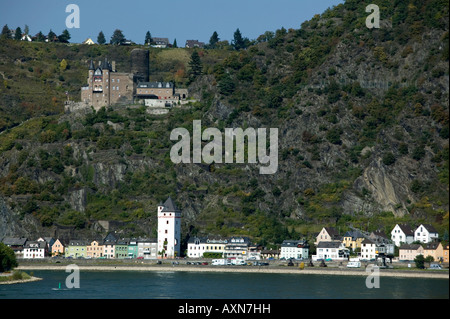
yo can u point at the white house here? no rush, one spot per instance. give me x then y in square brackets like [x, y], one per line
[334, 250]
[294, 249]
[169, 229]
[147, 248]
[402, 234]
[368, 249]
[35, 249]
[327, 234]
[425, 233]
[197, 246]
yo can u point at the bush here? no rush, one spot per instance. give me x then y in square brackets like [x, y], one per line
[388, 159]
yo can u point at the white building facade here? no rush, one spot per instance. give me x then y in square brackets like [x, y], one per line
[402, 234]
[296, 249]
[147, 248]
[425, 234]
[34, 249]
[169, 230]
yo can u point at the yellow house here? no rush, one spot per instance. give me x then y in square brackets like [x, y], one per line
[352, 239]
[434, 250]
[94, 250]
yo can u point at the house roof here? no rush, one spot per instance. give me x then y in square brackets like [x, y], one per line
[332, 232]
[78, 242]
[39, 244]
[367, 241]
[14, 241]
[293, 243]
[354, 234]
[406, 229]
[431, 246]
[194, 43]
[429, 227]
[410, 246]
[329, 244]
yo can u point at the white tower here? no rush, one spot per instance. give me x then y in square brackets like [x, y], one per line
[169, 230]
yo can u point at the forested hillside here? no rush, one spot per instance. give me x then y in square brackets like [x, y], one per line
[362, 117]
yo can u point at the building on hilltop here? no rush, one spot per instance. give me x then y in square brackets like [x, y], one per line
[194, 44]
[106, 86]
[169, 229]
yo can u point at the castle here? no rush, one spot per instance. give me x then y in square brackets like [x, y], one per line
[105, 86]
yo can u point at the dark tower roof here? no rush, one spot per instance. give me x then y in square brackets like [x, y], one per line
[169, 206]
[106, 65]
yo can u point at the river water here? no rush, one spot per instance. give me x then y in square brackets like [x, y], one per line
[201, 285]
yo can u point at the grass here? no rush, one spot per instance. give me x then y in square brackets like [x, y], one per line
[16, 275]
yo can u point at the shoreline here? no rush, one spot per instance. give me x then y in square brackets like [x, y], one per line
[20, 281]
[233, 269]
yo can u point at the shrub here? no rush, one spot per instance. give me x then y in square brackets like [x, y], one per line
[388, 159]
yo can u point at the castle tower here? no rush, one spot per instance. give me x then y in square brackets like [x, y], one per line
[140, 65]
[169, 230]
[106, 70]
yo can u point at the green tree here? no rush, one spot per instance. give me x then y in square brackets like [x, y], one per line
[213, 40]
[101, 38]
[117, 37]
[7, 258]
[420, 261]
[18, 34]
[148, 38]
[40, 37]
[64, 37]
[195, 65]
[51, 36]
[238, 41]
[175, 45]
[6, 34]
[388, 159]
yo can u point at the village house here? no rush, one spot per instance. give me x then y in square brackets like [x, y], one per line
[132, 248]
[194, 44]
[425, 233]
[76, 249]
[147, 248]
[160, 42]
[16, 244]
[109, 244]
[327, 234]
[353, 239]
[334, 250]
[296, 249]
[270, 253]
[197, 246]
[121, 249]
[94, 249]
[402, 233]
[408, 252]
[434, 250]
[57, 248]
[368, 249]
[35, 249]
[237, 247]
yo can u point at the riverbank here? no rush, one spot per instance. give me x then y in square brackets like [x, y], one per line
[248, 269]
[14, 278]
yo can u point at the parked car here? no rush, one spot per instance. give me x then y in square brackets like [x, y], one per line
[435, 266]
[140, 257]
[204, 263]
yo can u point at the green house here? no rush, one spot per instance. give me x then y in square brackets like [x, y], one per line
[121, 249]
[76, 249]
[132, 248]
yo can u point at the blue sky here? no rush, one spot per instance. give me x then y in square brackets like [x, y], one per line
[176, 19]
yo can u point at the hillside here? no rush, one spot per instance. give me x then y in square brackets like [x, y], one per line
[363, 133]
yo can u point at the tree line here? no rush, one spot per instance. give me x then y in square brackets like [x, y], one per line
[17, 34]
